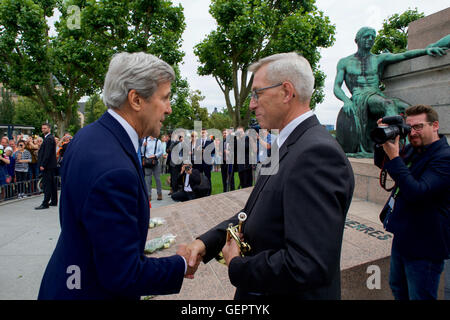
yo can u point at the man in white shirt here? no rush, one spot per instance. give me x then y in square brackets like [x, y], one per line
[152, 149]
[189, 178]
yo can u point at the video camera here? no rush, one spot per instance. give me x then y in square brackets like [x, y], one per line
[380, 135]
[396, 126]
[254, 125]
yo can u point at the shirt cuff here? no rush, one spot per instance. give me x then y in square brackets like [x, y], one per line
[185, 265]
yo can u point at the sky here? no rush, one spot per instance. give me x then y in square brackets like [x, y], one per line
[347, 15]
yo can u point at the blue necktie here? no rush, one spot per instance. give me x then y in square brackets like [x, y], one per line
[139, 153]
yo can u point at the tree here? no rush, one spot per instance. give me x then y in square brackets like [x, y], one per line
[57, 70]
[27, 112]
[393, 36]
[220, 120]
[6, 107]
[193, 112]
[93, 109]
[181, 109]
[248, 30]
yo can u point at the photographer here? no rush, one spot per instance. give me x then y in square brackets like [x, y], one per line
[189, 178]
[417, 212]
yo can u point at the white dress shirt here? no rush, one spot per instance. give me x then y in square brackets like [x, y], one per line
[284, 134]
[127, 127]
[135, 139]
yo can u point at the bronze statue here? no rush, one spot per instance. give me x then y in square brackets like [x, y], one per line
[361, 73]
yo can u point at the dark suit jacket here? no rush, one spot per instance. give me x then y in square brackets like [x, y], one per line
[242, 160]
[420, 221]
[205, 166]
[104, 215]
[295, 221]
[47, 153]
[194, 179]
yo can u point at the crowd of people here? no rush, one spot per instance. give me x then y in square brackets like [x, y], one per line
[20, 173]
[237, 151]
[19, 169]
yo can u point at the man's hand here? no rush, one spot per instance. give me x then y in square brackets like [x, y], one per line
[348, 108]
[392, 149]
[185, 252]
[197, 251]
[433, 51]
[41, 168]
[230, 250]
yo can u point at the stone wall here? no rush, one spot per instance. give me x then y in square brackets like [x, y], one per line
[367, 185]
[428, 30]
[422, 80]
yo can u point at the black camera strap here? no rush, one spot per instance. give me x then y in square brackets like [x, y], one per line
[383, 178]
[384, 173]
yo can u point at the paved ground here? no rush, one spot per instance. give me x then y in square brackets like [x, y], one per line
[27, 239]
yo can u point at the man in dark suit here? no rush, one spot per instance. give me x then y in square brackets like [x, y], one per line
[297, 209]
[175, 153]
[205, 144]
[47, 166]
[244, 168]
[227, 167]
[418, 211]
[104, 208]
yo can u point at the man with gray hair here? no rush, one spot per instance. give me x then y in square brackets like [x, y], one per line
[104, 207]
[295, 213]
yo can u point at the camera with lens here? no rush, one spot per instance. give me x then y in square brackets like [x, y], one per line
[187, 168]
[396, 127]
[254, 125]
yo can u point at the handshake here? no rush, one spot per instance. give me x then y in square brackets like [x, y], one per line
[194, 252]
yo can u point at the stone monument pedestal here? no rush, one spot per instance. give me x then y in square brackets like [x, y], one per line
[422, 80]
[367, 181]
[365, 243]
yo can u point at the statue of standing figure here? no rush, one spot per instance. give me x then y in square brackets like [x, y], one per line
[361, 73]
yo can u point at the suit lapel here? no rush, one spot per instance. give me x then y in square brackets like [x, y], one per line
[121, 135]
[293, 138]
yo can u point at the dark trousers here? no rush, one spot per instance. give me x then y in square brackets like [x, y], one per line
[246, 178]
[414, 279]
[21, 177]
[174, 173]
[206, 169]
[50, 188]
[183, 196]
[227, 175]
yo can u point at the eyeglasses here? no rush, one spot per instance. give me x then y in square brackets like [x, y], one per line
[254, 93]
[419, 126]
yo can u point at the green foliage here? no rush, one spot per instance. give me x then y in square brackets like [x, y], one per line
[181, 109]
[220, 121]
[56, 71]
[6, 108]
[248, 30]
[27, 112]
[93, 109]
[193, 112]
[393, 36]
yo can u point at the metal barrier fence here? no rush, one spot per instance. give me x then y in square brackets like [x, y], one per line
[24, 189]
